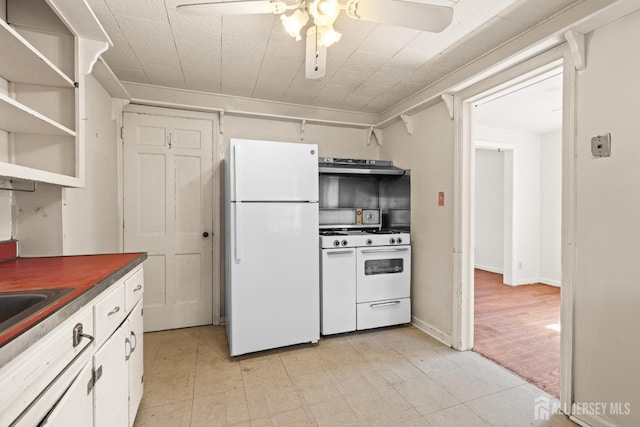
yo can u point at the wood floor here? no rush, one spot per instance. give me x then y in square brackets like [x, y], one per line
[511, 328]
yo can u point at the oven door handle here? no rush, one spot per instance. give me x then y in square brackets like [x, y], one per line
[384, 304]
[348, 251]
[373, 251]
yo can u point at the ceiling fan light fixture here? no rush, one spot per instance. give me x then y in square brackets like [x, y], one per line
[328, 36]
[293, 23]
[324, 12]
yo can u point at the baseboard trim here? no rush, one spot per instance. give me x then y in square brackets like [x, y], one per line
[543, 280]
[533, 281]
[592, 420]
[489, 269]
[550, 282]
[432, 331]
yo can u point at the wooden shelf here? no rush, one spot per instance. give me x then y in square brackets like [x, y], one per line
[18, 118]
[42, 149]
[26, 63]
[13, 171]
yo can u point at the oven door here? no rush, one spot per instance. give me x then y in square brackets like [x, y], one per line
[383, 273]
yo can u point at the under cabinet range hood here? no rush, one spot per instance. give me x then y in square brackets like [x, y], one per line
[358, 166]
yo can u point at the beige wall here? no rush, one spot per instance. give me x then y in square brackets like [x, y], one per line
[607, 288]
[38, 221]
[90, 215]
[429, 155]
[56, 221]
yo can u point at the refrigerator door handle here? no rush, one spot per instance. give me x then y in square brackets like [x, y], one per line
[236, 178]
[238, 237]
[236, 175]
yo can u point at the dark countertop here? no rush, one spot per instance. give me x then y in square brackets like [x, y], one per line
[87, 275]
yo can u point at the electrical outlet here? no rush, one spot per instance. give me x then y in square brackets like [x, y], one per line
[601, 146]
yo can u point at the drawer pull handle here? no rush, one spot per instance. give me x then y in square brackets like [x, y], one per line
[383, 304]
[134, 342]
[350, 251]
[137, 288]
[127, 356]
[114, 311]
[375, 251]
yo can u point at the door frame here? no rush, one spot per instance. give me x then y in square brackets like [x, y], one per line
[497, 85]
[217, 229]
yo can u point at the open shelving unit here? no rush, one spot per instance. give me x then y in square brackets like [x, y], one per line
[38, 40]
[18, 118]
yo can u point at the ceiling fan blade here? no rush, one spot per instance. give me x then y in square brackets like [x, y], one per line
[315, 66]
[237, 7]
[420, 16]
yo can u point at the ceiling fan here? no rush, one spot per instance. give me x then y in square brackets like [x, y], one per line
[320, 34]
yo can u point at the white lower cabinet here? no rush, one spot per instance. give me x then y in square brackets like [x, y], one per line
[136, 360]
[76, 404]
[338, 290]
[118, 364]
[94, 381]
[111, 406]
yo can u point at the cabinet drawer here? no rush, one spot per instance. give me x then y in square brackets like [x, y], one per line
[109, 312]
[26, 376]
[134, 288]
[383, 313]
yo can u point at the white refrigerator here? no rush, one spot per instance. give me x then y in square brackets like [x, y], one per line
[272, 290]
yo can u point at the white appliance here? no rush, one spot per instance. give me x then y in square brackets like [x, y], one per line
[365, 279]
[271, 278]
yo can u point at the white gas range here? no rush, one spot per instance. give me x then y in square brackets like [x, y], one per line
[365, 279]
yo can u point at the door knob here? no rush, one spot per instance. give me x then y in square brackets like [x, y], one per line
[205, 234]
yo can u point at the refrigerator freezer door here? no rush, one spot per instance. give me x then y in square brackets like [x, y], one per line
[272, 171]
[272, 277]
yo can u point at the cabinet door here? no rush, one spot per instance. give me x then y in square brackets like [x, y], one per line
[338, 289]
[76, 404]
[111, 389]
[136, 361]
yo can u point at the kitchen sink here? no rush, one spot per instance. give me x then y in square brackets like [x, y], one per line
[19, 305]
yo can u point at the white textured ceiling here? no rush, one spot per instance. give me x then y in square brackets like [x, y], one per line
[372, 68]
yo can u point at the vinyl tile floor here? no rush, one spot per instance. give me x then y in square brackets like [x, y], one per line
[395, 376]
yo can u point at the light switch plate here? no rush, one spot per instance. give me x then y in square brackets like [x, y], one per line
[601, 146]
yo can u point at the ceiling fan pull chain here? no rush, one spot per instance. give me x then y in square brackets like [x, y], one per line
[317, 54]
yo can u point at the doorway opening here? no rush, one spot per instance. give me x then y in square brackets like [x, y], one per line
[517, 185]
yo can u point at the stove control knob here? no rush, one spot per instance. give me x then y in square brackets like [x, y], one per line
[392, 240]
[369, 242]
[336, 243]
[344, 243]
[399, 240]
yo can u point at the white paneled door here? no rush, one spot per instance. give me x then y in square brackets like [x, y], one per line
[168, 214]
